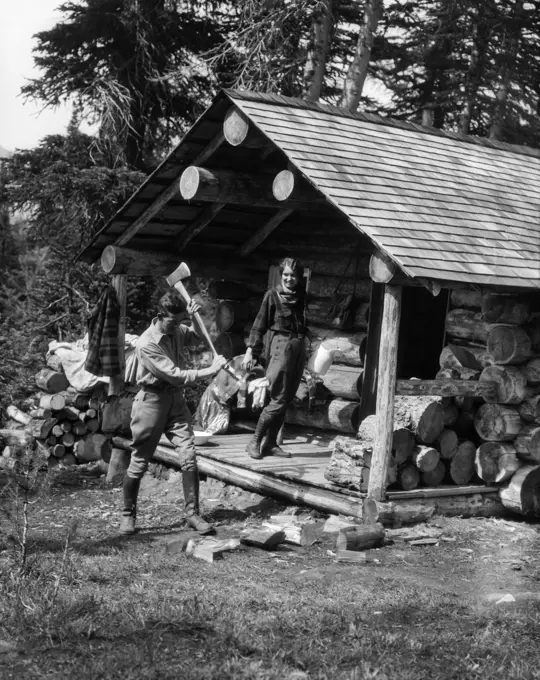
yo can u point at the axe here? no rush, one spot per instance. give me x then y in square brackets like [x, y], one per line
[175, 281]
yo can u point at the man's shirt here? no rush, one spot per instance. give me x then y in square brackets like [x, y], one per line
[161, 358]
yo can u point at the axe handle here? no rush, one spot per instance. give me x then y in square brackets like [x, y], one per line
[179, 286]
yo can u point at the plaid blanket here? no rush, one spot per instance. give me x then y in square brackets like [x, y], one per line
[103, 356]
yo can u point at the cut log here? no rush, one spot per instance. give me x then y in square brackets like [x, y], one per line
[445, 388]
[497, 423]
[40, 413]
[89, 414]
[41, 428]
[93, 446]
[344, 381]
[348, 459]
[222, 289]
[527, 443]
[499, 308]
[447, 444]
[339, 415]
[347, 351]
[531, 371]
[231, 315]
[92, 425]
[78, 428]
[58, 450]
[408, 477]
[508, 344]
[68, 439]
[496, 462]
[424, 414]
[522, 493]
[529, 409]
[425, 458]
[229, 345]
[461, 466]
[402, 444]
[116, 260]
[450, 414]
[467, 325]
[267, 539]
[433, 477]
[51, 440]
[54, 402]
[456, 356]
[510, 384]
[70, 413]
[466, 297]
[18, 415]
[51, 381]
[69, 459]
[66, 426]
[57, 430]
[381, 268]
[361, 537]
[236, 127]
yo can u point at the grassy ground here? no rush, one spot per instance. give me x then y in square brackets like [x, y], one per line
[125, 608]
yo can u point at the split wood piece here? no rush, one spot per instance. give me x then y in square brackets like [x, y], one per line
[77, 400]
[450, 414]
[305, 534]
[344, 382]
[425, 458]
[116, 260]
[40, 413]
[527, 443]
[351, 556]
[362, 537]
[92, 446]
[18, 415]
[508, 344]
[496, 462]
[408, 477]
[531, 371]
[264, 231]
[58, 450]
[467, 325]
[292, 492]
[53, 361]
[51, 381]
[466, 297]
[348, 459]
[522, 493]
[231, 314]
[445, 388]
[267, 539]
[68, 439]
[118, 464]
[57, 430]
[78, 428]
[70, 413]
[210, 549]
[461, 467]
[338, 414]
[381, 268]
[69, 459]
[349, 348]
[496, 422]
[529, 410]
[433, 477]
[456, 356]
[54, 402]
[41, 428]
[510, 384]
[89, 414]
[499, 308]
[424, 415]
[17, 438]
[424, 541]
[447, 443]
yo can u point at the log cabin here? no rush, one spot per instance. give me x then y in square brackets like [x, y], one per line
[435, 234]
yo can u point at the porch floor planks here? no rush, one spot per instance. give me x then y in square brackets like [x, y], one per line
[307, 464]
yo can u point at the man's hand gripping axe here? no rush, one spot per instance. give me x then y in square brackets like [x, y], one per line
[175, 281]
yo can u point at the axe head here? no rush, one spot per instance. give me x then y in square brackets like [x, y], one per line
[181, 272]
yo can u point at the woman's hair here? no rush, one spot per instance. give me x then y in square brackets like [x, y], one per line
[171, 303]
[294, 264]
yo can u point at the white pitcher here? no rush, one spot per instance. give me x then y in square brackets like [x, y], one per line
[321, 359]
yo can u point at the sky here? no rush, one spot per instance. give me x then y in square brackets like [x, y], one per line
[23, 125]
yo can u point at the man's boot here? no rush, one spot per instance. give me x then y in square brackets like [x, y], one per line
[271, 447]
[254, 447]
[129, 514]
[190, 484]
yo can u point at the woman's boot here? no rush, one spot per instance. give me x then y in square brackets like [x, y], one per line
[271, 447]
[190, 484]
[254, 446]
[129, 514]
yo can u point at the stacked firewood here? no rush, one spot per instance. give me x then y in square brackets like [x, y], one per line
[485, 437]
[64, 424]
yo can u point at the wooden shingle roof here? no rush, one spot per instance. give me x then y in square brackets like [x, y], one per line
[442, 206]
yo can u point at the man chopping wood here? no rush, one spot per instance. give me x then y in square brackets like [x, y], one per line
[160, 408]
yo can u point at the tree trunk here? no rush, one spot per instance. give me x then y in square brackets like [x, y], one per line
[496, 462]
[357, 72]
[360, 537]
[481, 30]
[425, 415]
[497, 423]
[339, 415]
[318, 51]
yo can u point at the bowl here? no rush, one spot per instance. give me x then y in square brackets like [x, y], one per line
[201, 438]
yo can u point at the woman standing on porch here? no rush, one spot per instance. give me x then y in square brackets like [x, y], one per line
[282, 318]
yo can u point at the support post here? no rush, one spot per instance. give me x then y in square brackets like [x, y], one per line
[386, 390]
[119, 283]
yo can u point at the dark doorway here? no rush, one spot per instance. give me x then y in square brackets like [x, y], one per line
[421, 333]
